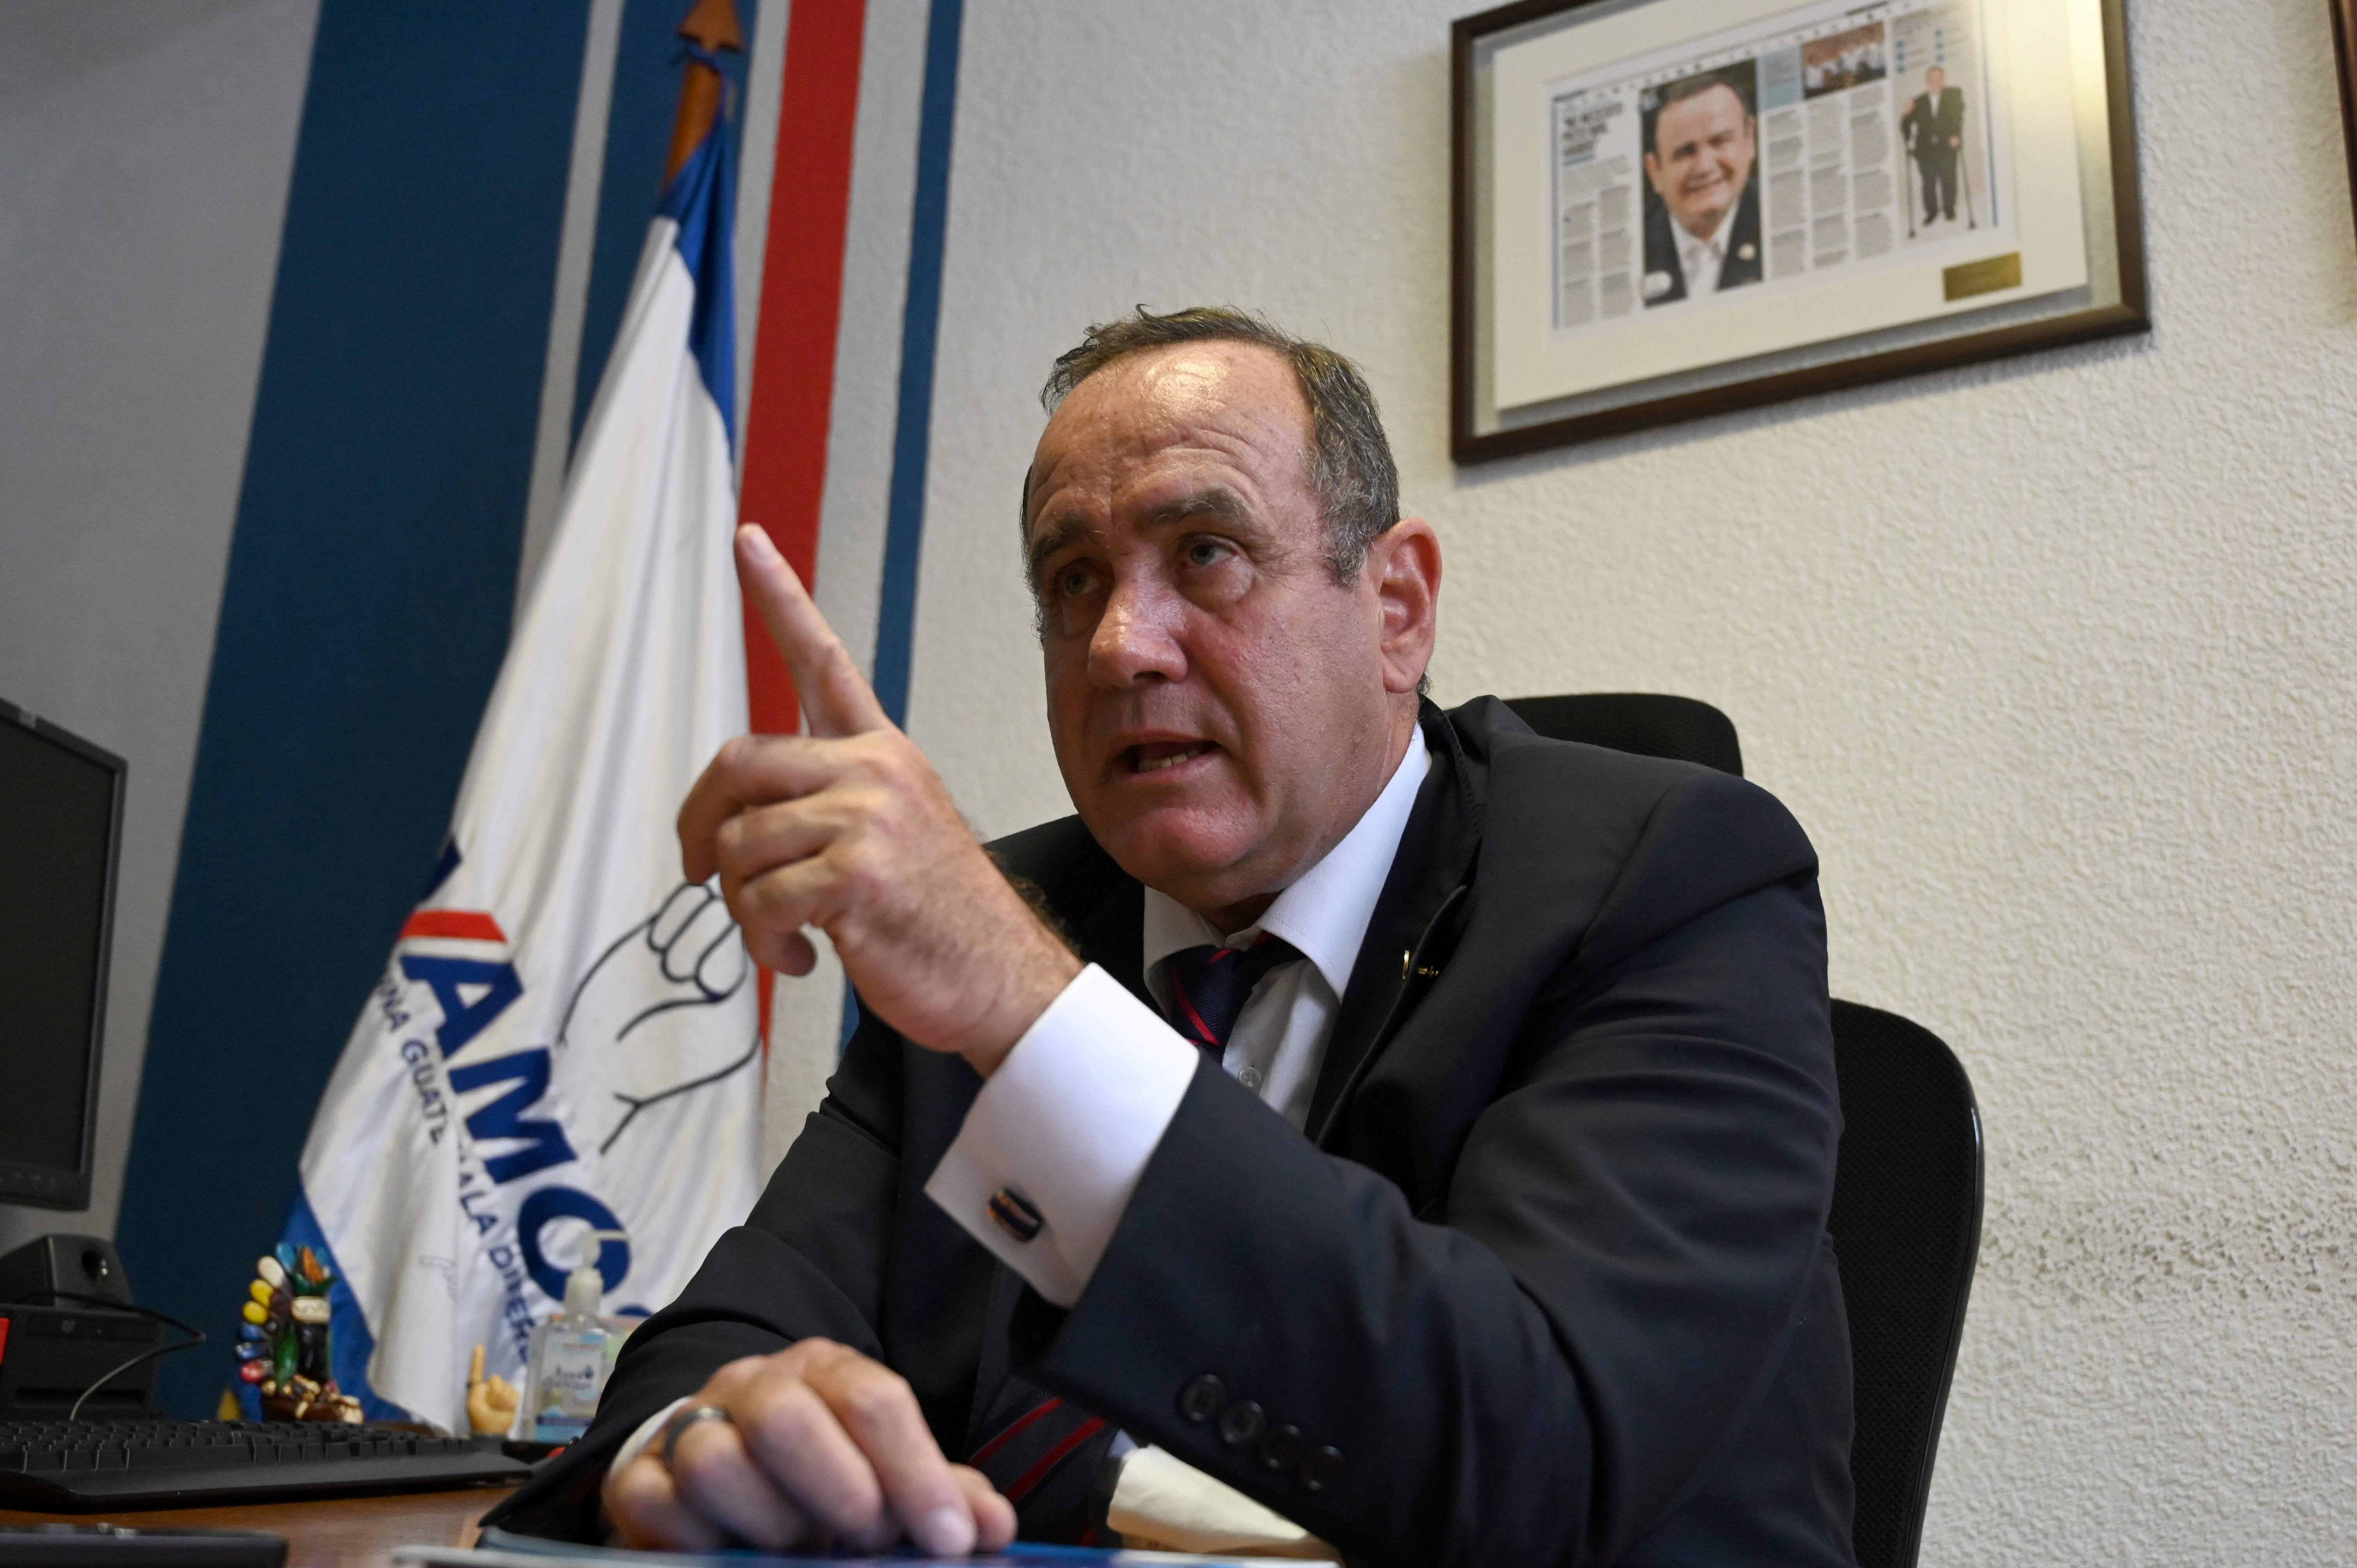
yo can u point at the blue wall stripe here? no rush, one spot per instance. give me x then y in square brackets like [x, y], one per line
[904, 532]
[638, 139]
[370, 584]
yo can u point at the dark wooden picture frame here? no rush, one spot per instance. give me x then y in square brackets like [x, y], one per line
[1469, 443]
[2344, 54]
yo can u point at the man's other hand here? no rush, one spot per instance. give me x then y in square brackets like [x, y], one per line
[848, 828]
[821, 1448]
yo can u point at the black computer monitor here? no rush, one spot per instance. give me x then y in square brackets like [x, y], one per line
[60, 828]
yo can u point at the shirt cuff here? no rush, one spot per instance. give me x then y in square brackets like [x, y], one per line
[636, 1445]
[649, 1430]
[1064, 1129]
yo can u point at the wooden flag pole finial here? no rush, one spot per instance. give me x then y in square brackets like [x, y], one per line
[712, 24]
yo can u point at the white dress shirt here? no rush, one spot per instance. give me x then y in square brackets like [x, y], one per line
[1704, 259]
[1071, 1116]
[1075, 1111]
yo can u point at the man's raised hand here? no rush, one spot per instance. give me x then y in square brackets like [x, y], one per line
[849, 829]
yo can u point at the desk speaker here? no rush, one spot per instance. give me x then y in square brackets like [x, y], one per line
[64, 1271]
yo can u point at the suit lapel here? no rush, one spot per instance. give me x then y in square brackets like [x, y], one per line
[1115, 927]
[1421, 910]
[1414, 922]
[1741, 263]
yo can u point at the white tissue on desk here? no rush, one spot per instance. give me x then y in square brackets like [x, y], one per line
[1163, 1502]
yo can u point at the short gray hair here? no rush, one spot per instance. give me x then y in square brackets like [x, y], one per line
[1350, 466]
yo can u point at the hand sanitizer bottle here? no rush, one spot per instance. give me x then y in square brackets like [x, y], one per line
[569, 1362]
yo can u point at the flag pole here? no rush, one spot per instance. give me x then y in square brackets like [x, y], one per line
[712, 27]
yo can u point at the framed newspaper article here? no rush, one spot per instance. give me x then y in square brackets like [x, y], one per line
[1664, 208]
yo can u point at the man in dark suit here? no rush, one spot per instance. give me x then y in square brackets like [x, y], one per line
[1702, 230]
[1933, 127]
[1469, 1205]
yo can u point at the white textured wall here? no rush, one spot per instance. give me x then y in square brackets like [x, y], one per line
[144, 154]
[2052, 657]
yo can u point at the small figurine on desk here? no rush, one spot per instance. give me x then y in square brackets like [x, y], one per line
[284, 1344]
[491, 1402]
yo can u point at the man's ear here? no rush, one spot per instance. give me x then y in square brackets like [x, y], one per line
[1403, 564]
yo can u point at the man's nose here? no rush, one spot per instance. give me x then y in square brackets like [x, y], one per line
[1137, 638]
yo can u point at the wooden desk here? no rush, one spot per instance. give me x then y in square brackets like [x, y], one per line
[329, 1533]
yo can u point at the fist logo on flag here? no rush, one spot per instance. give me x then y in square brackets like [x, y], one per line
[641, 1005]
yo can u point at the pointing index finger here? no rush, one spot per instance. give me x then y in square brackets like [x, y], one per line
[836, 699]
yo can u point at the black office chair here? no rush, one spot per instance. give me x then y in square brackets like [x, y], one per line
[1648, 723]
[1906, 1226]
[1905, 1218]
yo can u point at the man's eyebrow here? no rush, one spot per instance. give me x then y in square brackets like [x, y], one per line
[1055, 536]
[1217, 501]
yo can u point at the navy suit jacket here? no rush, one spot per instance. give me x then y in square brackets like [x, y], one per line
[1550, 1269]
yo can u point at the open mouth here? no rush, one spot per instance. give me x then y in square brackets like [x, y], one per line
[1161, 755]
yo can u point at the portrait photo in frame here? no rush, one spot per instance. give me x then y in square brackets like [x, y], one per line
[1667, 209]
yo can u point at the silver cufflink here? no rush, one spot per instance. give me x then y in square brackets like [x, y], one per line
[1017, 1215]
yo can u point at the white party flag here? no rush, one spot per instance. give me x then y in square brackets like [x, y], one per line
[567, 1039]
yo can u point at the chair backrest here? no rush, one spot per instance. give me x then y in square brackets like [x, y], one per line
[1647, 723]
[1905, 1218]
[1906, 1226]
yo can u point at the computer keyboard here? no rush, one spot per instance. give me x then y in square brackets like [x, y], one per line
[77, 1466]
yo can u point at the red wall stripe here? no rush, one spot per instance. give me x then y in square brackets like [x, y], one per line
[802, 302]
[793, 342]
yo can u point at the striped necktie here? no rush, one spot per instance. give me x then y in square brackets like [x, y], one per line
[1209, 986]
[1042, 1455]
